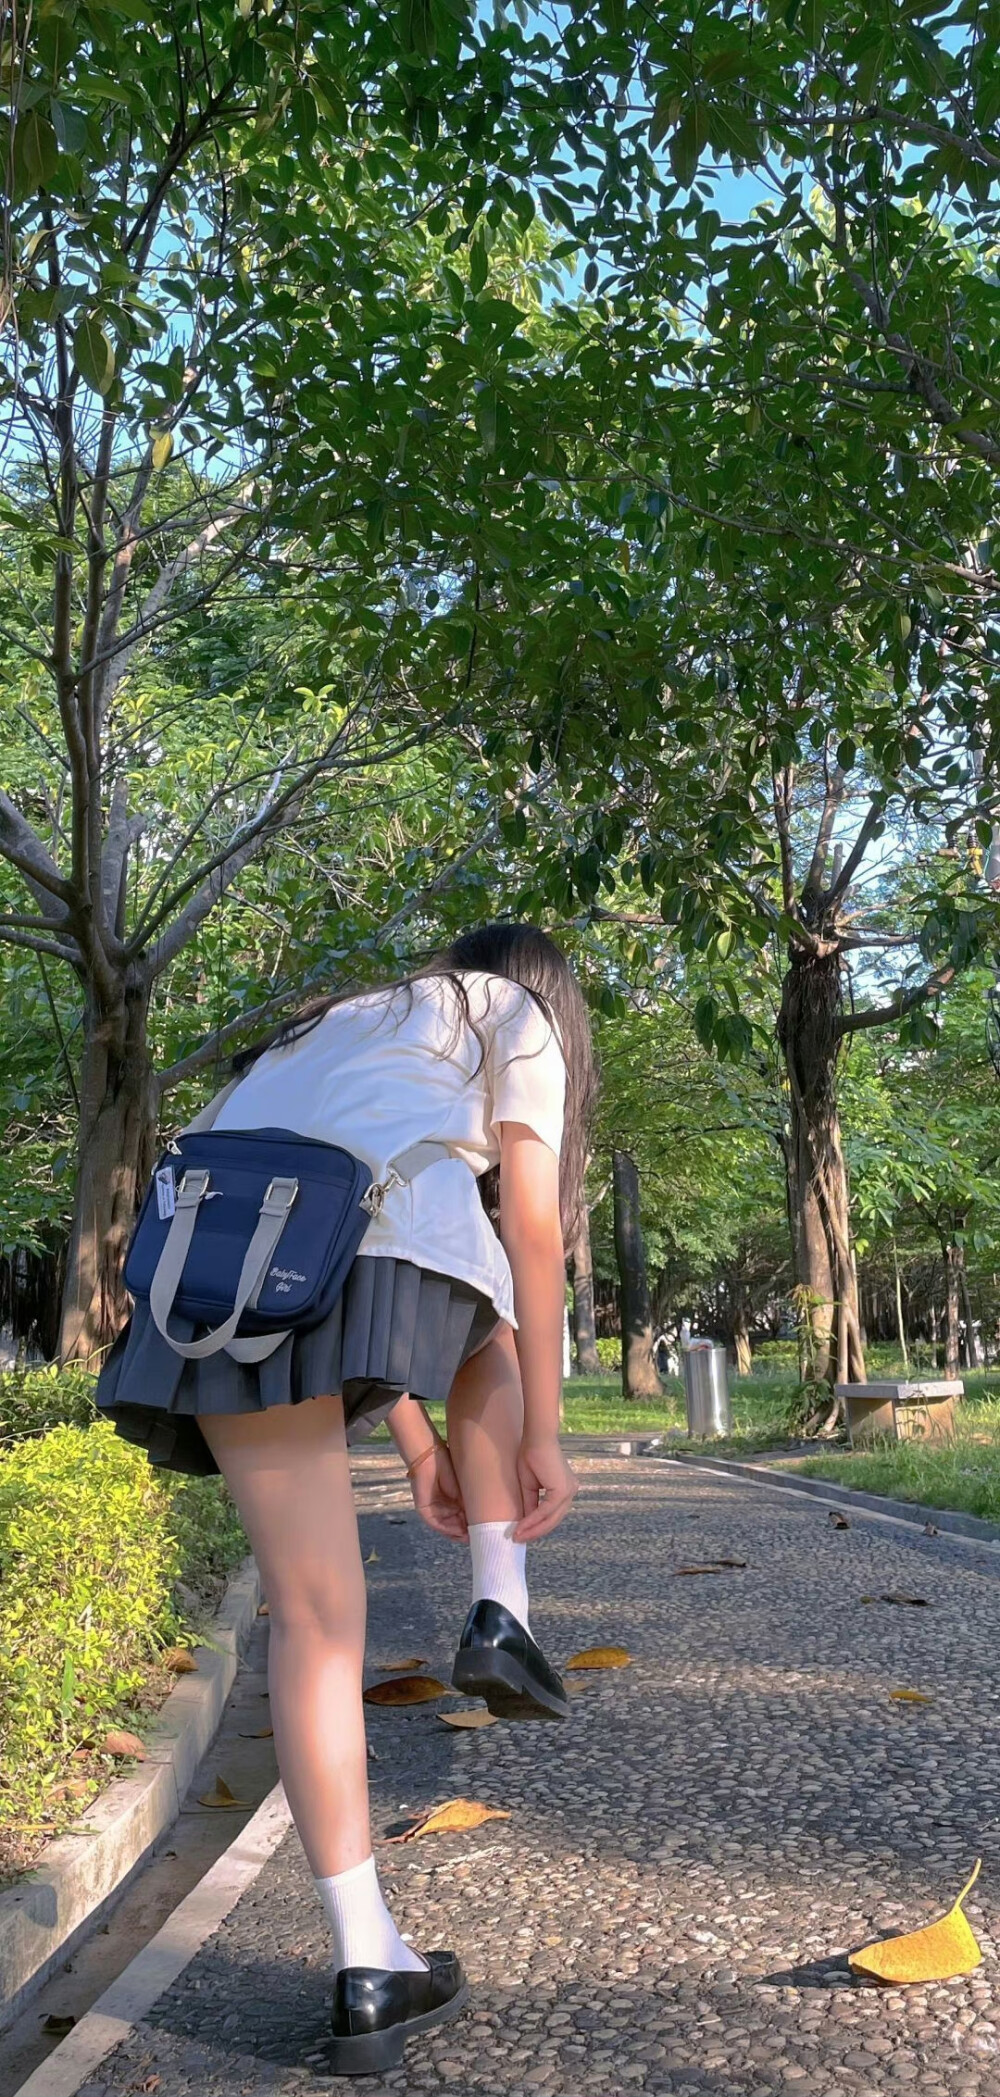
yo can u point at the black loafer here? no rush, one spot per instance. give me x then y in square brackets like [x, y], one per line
[499, 1660]
[375, 2012]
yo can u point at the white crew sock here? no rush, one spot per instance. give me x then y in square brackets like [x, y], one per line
[498, 1567]
[364, 1933]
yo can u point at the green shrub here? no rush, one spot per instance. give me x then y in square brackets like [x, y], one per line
[609, 1354]
[92, 1544]
[33, 1400]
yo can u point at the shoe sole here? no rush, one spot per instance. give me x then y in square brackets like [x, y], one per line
[371, 2053]
[506, 1687]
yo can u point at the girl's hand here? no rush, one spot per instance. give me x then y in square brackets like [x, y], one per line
[437, 1495]
[548, 1489]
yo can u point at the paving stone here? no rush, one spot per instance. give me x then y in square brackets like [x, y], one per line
[691, 1856]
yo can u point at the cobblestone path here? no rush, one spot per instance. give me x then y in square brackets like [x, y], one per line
[692, 1854]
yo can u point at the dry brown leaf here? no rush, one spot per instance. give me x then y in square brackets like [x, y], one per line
[265, 1733]
[124, 1744]
[179, 1661]
[600, 1656]
[407, 1689]
[931, 1529]
[265, 1609]
[469, 1721]
[400, 1667]
[56, 2027]
[909, 1696]
[838, 1520]
[456, 1815]
[715, 1565]
[222, 1796]
[942, 1951]
[905, 1601]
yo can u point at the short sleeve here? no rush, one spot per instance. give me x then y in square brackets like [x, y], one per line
[526, 1074]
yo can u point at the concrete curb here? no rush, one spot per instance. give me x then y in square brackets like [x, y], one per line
[46, 1913]
[967, 1527]
[157, 1965]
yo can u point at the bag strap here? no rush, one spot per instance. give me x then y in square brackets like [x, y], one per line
[206, 1117]
[166, 1281]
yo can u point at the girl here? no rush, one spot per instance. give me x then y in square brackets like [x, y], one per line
[485, 1052]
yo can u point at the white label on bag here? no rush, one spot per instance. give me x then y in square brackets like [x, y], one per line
[166, 1193]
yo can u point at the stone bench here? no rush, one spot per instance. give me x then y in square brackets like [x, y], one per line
[900, 1411]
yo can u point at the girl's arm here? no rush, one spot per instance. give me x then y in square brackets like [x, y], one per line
[531, 1234]
[436, 1492]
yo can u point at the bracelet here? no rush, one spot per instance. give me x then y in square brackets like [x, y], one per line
[431, 1450]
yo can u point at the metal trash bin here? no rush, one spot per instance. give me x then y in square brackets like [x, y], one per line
[706, 1389]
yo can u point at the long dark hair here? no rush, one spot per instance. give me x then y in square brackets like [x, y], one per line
[522, 954]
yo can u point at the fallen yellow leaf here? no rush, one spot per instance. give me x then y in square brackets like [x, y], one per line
[124, 1744]
[909, 1696]
[456, 1815]
[407, 1689]
[222, 1796]
[372, 1558]
[179, 1661]
[942, 1951]
[400, 1667]
[600, 1656]
[265, 1733]
[469, 1720]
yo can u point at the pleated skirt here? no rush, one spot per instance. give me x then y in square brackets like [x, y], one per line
[396, 1328]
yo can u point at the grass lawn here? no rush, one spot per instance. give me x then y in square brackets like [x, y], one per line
[963, 1474]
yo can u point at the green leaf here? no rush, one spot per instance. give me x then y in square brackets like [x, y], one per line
[486, 417]
[479, 265]
[731, 133]
[95, 357]
[36, 150]
[688, 142]
[304, 114]
[417, 30]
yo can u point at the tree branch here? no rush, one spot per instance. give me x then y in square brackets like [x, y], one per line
[904, 1001]
[19, 844]
[869, 830]
[832, 801]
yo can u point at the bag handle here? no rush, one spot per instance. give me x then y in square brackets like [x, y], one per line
[170, 1266]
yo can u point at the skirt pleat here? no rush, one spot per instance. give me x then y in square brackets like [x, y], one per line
[396, 1328]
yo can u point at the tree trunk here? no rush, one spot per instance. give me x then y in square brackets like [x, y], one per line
[741, 1342]
[584, 1326]
[639, 1377]
[119, 1101]
[954, 1261]
[818, 1196]
[900, 1320]
[971, 1347]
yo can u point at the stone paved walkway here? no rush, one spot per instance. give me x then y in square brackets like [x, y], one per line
[690, 1856]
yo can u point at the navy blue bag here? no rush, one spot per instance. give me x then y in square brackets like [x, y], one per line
[252, 1232]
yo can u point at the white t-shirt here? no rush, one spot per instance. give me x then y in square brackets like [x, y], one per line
[377, 1077]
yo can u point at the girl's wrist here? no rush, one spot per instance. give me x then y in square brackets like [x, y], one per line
[425, 1454]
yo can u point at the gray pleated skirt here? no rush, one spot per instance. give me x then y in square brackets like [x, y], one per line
[396, 1328]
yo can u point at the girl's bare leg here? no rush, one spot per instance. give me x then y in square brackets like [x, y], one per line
[485, 1422]
[287, 1470]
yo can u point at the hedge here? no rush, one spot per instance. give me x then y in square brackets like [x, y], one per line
[93, 1546]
